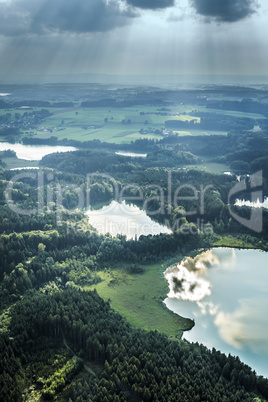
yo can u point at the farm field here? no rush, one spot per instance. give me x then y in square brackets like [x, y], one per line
[119, 125]
[115, 125]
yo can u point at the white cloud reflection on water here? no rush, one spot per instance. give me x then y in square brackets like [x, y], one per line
[246, 327]
[229, 301]
[126, 219]
[185, 285]
[188, 280]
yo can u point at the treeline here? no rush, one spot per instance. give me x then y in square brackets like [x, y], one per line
[137, 365]
[245, 152]
[61, 234]
[29, 103]
[213, 122]
[42, 260]
[84, 162]
[10, 125]
[142, 144]
[211, 207]
[245, 105]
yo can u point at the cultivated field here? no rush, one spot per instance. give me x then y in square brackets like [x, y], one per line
[119, 125]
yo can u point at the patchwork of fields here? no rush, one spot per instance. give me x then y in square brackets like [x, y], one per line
[120, 125]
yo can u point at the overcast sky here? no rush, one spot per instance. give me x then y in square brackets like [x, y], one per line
[133, 37]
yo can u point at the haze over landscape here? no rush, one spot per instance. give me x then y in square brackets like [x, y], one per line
[45, 40]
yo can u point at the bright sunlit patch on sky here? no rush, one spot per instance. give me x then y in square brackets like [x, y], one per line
[132, 37]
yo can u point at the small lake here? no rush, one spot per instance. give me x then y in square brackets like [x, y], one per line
[26, 168]
[121, 218]
[33, 152]
[131, 154]
[225, 291]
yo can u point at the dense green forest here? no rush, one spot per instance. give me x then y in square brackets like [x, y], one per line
[136, 365]
[60, 341]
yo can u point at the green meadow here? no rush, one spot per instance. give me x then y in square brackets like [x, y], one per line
[119, 125]
[212, 167]
[12, 163]
[139, 298]
[114, 125]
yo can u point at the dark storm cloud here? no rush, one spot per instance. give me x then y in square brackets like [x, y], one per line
[225, 10]
[45, 16]
[151, 4]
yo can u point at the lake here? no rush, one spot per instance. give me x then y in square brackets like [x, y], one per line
[33, 152]
[131, 154]
[126, 219]
[26, 168]
[225, 292]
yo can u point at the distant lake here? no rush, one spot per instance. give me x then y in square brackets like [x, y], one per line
[121, 218]
[33, 152]
[26, 168]
[225, 291]
[131, 154]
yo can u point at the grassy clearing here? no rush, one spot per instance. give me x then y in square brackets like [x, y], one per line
[183, 118]
[12, 163]
[229, 241]
[139, 298]
[133, 137]
[212, 167]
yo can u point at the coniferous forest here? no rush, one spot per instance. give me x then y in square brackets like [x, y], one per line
[59, 339]
[59, 342]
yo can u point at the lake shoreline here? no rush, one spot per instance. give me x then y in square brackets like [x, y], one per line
[215, 322]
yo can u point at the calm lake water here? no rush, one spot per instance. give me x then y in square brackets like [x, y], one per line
[26, 168]
[125, 219]
[33, 152]
[225, 291]
[132, 154]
